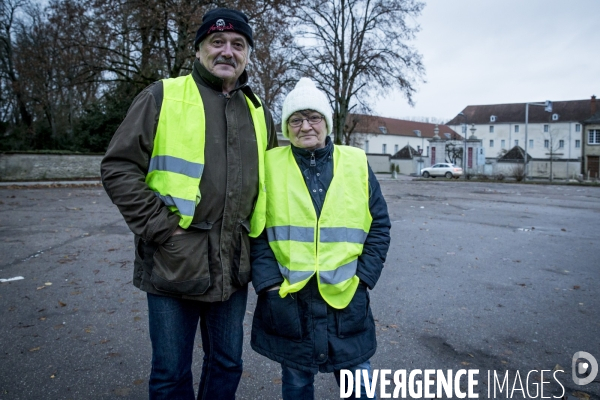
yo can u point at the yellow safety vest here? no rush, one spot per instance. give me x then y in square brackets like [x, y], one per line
[177, 160]
[330, 245]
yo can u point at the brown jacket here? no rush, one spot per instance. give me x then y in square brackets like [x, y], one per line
[213, 253]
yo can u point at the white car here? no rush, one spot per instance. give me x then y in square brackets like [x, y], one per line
[442, 169]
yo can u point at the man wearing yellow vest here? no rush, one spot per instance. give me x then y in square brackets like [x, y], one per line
[186, 170]
[325, 241]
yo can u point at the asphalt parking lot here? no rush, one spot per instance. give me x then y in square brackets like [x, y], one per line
[498, 277]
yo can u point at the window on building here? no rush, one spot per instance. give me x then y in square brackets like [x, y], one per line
[578, 144]
[384, 148]
[561, 144]
[503, 143]
[366, 146]
[577, 127]
[554, 117]
[546, 143]
[546, 128]
[383, 129]
[516, 128]
[491, 143]
[530, 143]
[492, 118]
[395, 148]
[491, 128]
[594, 136]
[516, 142]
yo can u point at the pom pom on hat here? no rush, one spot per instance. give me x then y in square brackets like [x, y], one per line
[305, 96]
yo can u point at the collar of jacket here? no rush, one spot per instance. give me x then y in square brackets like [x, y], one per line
[204, 77]
[320, 154]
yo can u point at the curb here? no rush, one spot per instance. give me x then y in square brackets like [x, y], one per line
[50, 184]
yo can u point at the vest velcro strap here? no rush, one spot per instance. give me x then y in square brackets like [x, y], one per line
[350, 235]
[176, 165]
[289, 232]
[294, 277]
[185, 207]
[340, 274]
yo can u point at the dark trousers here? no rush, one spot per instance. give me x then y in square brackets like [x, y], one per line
[173, 324]
[299, 385]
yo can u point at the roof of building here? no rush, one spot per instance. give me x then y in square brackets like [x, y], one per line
[571, 110]
[516, 153]
[594, 119]
[398, 127]
[406, 153]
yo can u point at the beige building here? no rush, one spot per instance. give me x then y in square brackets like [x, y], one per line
[591, 144]
[555, 134]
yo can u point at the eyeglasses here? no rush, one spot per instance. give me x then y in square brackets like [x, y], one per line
[312, 120]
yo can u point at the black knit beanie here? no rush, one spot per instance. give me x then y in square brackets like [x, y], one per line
[224, 20]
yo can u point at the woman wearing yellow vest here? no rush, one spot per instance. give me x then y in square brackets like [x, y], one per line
[325, 241]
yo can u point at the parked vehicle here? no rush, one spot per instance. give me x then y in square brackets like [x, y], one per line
[442, 169]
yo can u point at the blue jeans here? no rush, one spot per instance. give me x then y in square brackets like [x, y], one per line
[299, 385]
[173, 323]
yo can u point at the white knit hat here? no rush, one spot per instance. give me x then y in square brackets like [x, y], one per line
[305, 96]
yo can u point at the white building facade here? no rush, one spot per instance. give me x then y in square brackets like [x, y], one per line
[563, 138]
[545, 134]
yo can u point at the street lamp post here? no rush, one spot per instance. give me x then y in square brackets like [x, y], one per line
[474, 153]
[421, 163]
[418, 133]
[465, 146]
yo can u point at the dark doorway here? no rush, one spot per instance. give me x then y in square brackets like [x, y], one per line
[593, 166]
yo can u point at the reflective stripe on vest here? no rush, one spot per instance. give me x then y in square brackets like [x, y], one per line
[329, 246]
[177, 161]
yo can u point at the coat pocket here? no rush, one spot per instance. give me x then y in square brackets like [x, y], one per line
[181, 264]
[280, 316]
[353, 319]
[143, 264]
[241, 272]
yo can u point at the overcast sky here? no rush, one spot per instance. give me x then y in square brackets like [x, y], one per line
[502, 51]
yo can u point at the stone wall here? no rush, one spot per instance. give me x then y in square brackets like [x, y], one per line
[41, 167]
[561, 169]
[380, 163]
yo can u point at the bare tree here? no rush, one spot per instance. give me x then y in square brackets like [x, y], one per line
[73, 66]
[271, 72]
[12, 84]
[517, 171]
[428, 120]
[362, 122]
[354, 48]
[56, 84]
[454, 151]
[145, 40]
[555, 142]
